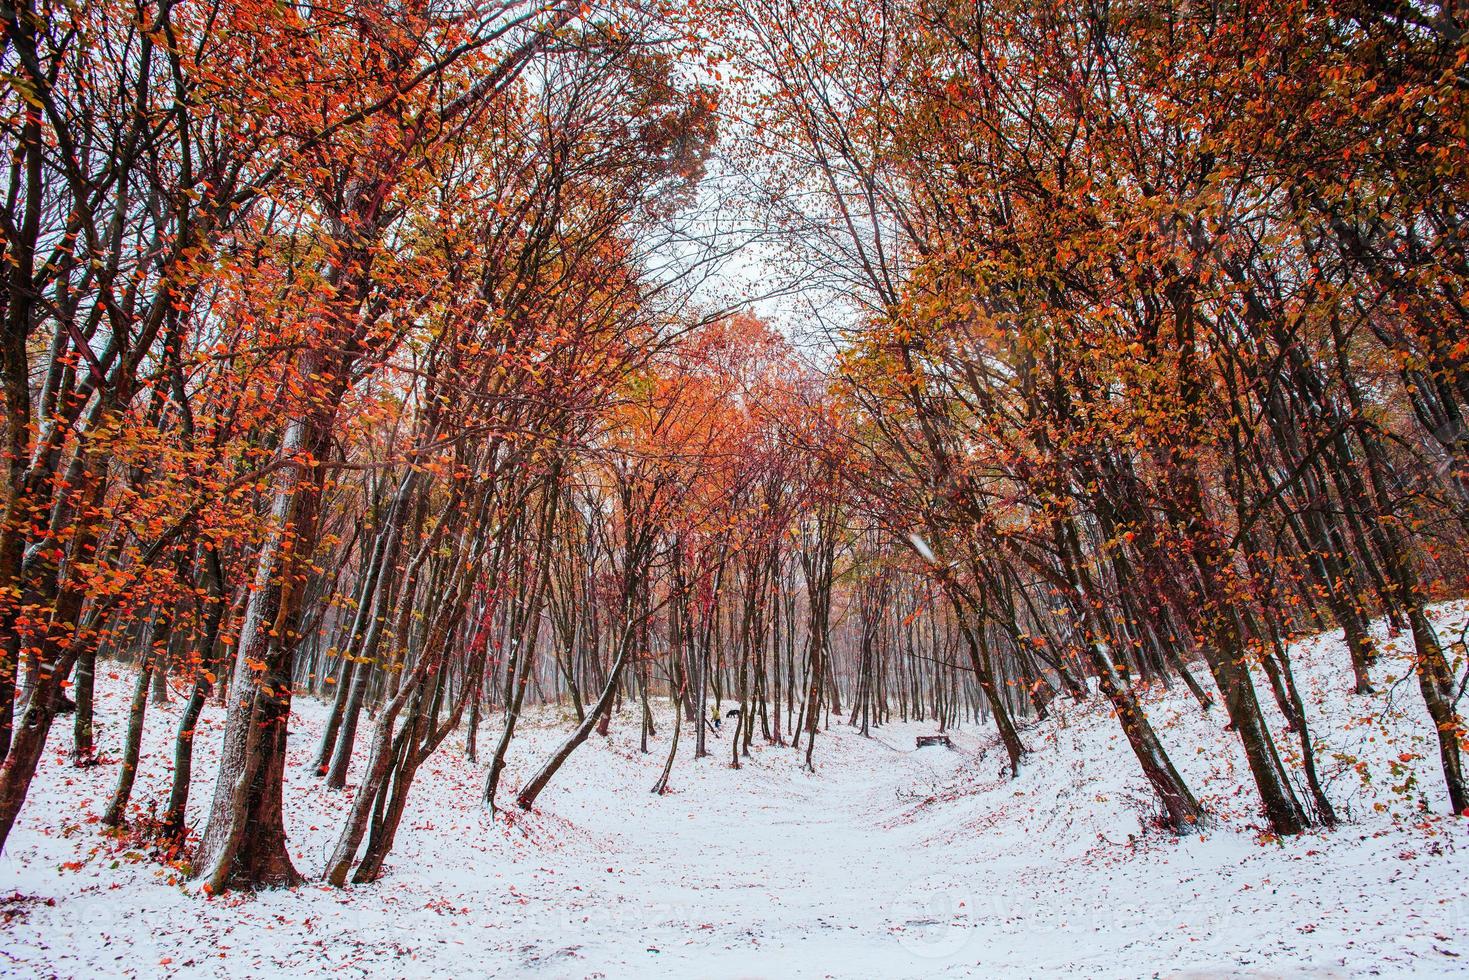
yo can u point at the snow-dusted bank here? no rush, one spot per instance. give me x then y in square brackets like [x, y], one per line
[887, 862]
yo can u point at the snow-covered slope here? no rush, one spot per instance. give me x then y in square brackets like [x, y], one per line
[888, 862]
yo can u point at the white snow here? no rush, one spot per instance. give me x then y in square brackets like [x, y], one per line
[888, 862]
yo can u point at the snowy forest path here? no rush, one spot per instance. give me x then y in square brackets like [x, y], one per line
[808, 868]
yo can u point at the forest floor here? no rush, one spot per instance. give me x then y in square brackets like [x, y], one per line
[887, 862]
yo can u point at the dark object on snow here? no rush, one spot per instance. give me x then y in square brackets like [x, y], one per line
[732, 713]
[924, 741]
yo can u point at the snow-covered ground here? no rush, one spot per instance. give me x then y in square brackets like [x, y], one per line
[888, 862]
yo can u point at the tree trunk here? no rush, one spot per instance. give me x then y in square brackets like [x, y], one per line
[156, 639]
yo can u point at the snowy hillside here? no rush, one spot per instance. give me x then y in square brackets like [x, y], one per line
[887, 862]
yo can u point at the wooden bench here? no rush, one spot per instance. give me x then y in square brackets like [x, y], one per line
[924, 741]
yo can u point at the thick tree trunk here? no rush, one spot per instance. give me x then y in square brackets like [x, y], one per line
[244, 842]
